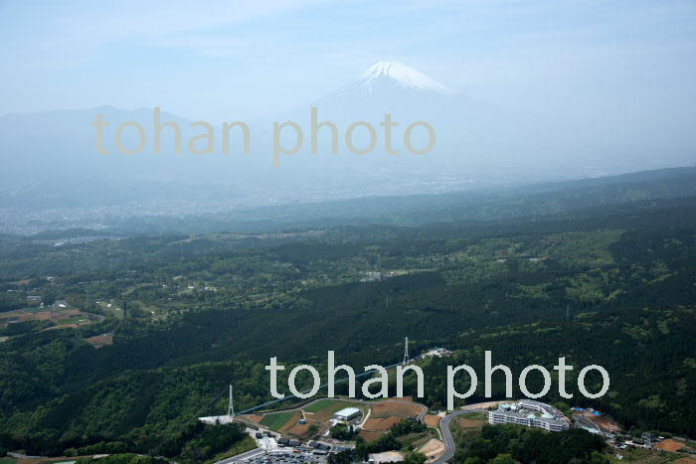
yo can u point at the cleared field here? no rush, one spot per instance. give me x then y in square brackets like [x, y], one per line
[687, 460]
[396, 408]
[470, 421]
[431, 420]
[369, 436]
[605, 423]
[324, 409]
[276, 421]
[61, 318]
[375, 427]
[298, 430]
[99, 341]
[254, 417]
[670, 445]
[645, 456]
[432, 449]
[381, 423]
[325, 404]
[476, 415]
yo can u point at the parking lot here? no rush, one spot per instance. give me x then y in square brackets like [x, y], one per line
[290, 457]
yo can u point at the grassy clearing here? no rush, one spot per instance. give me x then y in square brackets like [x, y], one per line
[321, 405]
[277, 420]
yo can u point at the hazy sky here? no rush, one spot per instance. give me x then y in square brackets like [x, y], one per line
[240, 59]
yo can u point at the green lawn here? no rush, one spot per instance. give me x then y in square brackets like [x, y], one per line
[276, 420]
[325, 404]
[476, 416]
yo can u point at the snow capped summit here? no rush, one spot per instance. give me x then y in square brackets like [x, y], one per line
[396, 72]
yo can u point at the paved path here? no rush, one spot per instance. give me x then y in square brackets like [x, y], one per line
[447, 437]
[450, 446]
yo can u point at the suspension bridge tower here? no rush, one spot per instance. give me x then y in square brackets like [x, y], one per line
[230, 407]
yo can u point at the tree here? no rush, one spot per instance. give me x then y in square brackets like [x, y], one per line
[503, 459]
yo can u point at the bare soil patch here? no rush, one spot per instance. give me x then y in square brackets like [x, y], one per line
[299, 430]
[100, 341]
[381, 423]
[670, 445]
[396, 408]
[369, 436]
[433, 449]
[467, 423]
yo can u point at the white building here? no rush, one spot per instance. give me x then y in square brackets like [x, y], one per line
[531, 414]
[347, 414]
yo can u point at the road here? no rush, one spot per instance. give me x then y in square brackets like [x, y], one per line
[447, 437]
[450, 447]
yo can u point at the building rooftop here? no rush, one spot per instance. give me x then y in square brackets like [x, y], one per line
[533, 411]
[385, 457]
[347, 412]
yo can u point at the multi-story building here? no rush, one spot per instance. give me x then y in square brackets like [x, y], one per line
[530, 414]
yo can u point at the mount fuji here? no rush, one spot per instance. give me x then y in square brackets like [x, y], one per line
[384, 74]
[50, 160]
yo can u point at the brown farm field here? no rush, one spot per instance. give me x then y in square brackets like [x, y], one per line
[396, 408]
[381, 423]
[61, 318]
[299, 430]
[432, 420]
[671, 445]
[369, 436]
[470, 421]
[686, 460]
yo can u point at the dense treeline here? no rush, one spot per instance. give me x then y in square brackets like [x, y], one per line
[509, 443]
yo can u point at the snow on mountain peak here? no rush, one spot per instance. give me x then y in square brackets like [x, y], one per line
[400, 73]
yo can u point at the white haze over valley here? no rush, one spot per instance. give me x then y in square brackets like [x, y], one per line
[478, 72]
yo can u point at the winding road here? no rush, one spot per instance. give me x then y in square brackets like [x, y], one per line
[447, 438]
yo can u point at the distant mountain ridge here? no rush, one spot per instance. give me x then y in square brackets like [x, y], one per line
[51, 163]
[484, 207]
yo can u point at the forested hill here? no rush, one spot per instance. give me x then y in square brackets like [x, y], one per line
[605, 284]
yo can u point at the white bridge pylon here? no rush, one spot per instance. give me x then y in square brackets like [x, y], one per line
[230, 407]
